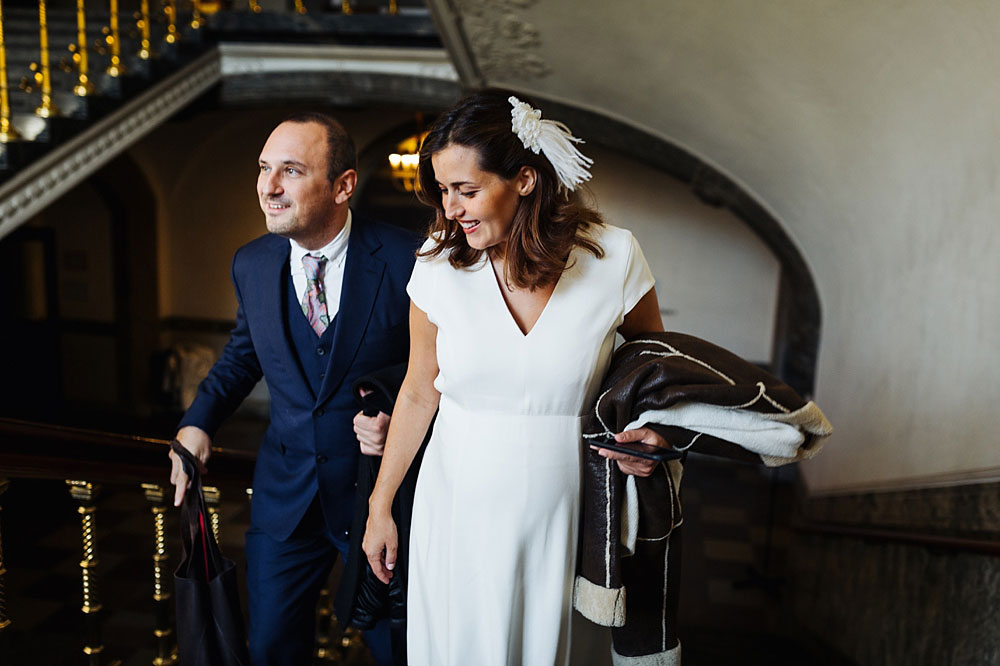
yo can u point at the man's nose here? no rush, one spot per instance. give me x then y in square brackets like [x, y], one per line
[272, 183]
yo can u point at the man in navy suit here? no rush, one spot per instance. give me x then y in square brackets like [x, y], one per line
[322, 301]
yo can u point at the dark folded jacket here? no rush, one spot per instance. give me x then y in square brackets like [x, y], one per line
[361, 598]
[700, 397]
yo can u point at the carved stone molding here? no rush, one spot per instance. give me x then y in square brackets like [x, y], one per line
[501, 40]
[45, 180]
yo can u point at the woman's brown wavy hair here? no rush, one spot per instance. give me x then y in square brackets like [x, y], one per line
[549, 222]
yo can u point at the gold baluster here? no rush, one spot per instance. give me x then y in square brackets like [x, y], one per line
[393, 7]
[170, 10]
[300, 7]
[166, 652]
[345, 7]
[145, 50]
[211, 494]
[255, 7]
[85, 495]
[115, 68]
[7, 131]
[195, 15]
[4, 620]
[83, 86]
[47, 109]
[324, 626]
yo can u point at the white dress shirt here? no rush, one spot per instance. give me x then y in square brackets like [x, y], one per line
[333, 277]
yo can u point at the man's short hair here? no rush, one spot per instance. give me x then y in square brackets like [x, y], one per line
[341, 154]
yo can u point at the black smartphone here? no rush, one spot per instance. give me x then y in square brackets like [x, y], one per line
[638, 449]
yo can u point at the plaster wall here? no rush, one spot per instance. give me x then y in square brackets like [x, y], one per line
[714, 277]
[870, 130]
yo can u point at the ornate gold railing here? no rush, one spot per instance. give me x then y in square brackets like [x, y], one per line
[87, 460]
[98, 68]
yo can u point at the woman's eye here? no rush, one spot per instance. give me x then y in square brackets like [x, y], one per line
[468, 195]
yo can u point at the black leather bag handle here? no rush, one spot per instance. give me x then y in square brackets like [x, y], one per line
[196, 536]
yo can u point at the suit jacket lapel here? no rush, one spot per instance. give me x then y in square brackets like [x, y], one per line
[362, 276]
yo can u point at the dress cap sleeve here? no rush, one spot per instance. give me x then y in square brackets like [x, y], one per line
[638, 278]
[420, 288]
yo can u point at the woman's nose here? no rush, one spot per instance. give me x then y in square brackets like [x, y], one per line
[452, 206]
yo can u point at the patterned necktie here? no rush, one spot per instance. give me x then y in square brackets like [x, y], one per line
[314, 300]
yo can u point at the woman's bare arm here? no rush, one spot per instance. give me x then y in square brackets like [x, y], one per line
[415, 406]
[643, 318]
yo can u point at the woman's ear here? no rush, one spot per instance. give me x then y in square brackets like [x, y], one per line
[525, 180]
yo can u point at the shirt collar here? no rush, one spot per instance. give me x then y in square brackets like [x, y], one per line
[335, 251]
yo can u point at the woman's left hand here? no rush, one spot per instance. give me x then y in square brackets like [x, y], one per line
[631, 464]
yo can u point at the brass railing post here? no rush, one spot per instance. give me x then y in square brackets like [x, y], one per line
[47, 108]
[255, 6]
[170, 10]
[115, 68]
[83, 85]
[4, 620]
[324, 627]
[145, 49]
[212, 496]
[393, 7]
[7, 131]
[85, 495]
[163, 632]
[345, 7]
[195, 15]
[300, 7]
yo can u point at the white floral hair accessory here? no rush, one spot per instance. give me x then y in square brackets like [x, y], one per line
[554, 140]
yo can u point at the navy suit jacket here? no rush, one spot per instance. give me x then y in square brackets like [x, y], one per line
[310, 445]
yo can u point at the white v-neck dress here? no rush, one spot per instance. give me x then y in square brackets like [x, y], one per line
[494, 534]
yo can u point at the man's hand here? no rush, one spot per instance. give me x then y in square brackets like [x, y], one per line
[632, 464]
[371, 432]
[196, 441]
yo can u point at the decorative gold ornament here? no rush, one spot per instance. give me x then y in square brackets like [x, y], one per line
[47, 109]
[114, 41]
[83, 85]
[166, 652]
[7, 131]
[85, 494]
[170, 10]
[145, 47]
[212, 498]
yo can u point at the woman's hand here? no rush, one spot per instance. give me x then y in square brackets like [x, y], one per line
[632, 464]
[380, 544]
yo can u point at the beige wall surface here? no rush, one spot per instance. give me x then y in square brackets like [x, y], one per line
[714, 277]
[870, 129]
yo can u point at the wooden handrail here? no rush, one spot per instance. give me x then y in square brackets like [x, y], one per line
[38, 450]
[930, 540]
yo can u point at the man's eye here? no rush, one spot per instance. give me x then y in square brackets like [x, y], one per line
[292, 172]
[264, 168]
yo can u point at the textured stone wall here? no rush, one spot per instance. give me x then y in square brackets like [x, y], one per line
[883, 603]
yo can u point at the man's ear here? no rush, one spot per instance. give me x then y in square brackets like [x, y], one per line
[525, 180]
[343, 186]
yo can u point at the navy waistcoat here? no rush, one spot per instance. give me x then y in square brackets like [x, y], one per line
[312, 352]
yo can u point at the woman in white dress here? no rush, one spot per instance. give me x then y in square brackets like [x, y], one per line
[516, 298]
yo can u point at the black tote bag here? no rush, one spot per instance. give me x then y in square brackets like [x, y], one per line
[210, 629]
